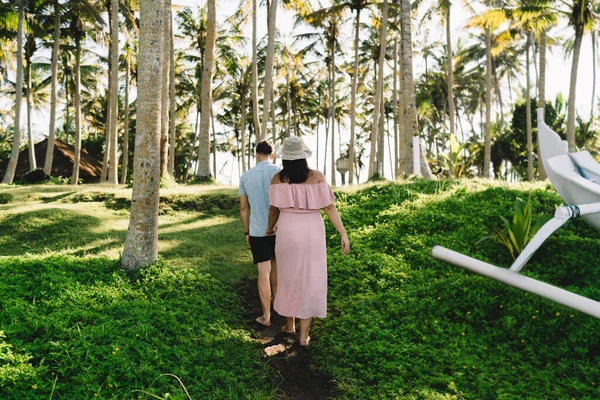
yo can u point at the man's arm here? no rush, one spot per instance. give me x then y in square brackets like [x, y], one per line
[245, 215]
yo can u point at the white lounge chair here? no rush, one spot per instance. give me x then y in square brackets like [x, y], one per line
[576, 178]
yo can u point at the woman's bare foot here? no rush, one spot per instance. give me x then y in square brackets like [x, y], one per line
[305, 343]
[287, 330]
[263, 321]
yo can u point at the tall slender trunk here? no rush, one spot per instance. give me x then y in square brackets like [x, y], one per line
[107, 123]
[243, 134]
[528, 107]
[542, 98]
[410, 111]
[125, 162]
[488, 103]
[450, 76]
[332, 104]
[353, 101]
[381, 139]
[255, 117]
[166, 72]
[271, 25]
[395, 102]
[172, 132]
[498, 92]
[67, 105]
[273, 124]
[573, 89]
[9, 175]
[77, 142]
[289, 104]
[374, 153]
[53, 91]
[214, 143]
[141, 244]
[203, 167]
[594, 61]
[113, 162]
[318, 123]
[31, 145]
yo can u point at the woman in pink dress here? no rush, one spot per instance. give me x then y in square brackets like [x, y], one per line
[297, 193]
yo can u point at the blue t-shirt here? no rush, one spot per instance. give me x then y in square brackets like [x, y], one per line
[254, 184]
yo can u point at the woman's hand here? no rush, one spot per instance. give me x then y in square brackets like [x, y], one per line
[345, 244]
[271, 232]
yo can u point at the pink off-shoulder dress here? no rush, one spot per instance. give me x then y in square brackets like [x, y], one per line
[300, 249]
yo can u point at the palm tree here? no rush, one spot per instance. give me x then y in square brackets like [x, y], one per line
[271, 27]
[166, 71]
[581, 19]
[203, 168]
[141, 244]
[14, 155]
[83, 17]
[129, 51]
[54, 84]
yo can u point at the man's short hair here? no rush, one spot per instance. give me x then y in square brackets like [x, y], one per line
[265, 147]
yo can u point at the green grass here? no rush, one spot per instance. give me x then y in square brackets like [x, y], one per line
[75, 326]
[401, 324]
[405, 325]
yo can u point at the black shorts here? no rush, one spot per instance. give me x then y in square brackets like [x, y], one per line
[262, 247]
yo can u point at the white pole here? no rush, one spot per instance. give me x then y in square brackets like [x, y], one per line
[416, 156]
[519, 281]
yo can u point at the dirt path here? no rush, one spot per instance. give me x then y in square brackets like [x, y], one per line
[285, 355]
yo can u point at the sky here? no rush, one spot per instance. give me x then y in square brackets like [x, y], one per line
[558, 70]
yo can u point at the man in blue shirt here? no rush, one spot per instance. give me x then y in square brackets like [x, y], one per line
[254, 210]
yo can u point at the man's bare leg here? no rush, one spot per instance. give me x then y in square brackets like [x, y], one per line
[273, 278]
[264, 291]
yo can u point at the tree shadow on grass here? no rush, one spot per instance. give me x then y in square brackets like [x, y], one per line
[45, 230]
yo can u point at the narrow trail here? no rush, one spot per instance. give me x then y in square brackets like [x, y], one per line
[285, 354]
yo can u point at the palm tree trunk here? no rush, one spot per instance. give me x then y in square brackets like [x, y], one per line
[255, 117]
[320, 102]
[528, 108]
[396, 112]
[374, 161]
[164, 122]
[594, 61]
[53, 91]
[450, 76]
[488, 103]
[573, 89]
[9, 175]
[273, 123]
[113, 163]
[77, 142]
[107, 123]
[172, 132]
[332, 104]
[31, 146]
[243, 134]
[271, 25]
[214, 143]
[289, 104]
[353, 102]
[203, 167]
[125, 163]
[542, 97]
[141, 244]
[381, 139]
[410, 112]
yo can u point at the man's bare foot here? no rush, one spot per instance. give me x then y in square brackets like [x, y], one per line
[285, 329]
[263, 321]
[305, 342]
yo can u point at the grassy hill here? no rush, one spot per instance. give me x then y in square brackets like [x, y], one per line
[401, 324]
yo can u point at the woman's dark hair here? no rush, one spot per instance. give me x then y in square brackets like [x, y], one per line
[294, 171]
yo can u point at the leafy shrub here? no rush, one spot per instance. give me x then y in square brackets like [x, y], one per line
[5, 198]
[81, 328]
[520, 229]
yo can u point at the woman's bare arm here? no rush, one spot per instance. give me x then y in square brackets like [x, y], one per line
[273, 218]
[333, 215]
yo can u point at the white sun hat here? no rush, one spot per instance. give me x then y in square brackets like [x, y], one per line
[294, 149]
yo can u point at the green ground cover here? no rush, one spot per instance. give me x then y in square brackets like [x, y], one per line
[401, 324]
[404, 325]
[74, 326]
